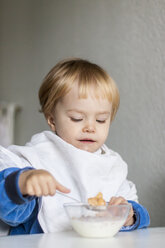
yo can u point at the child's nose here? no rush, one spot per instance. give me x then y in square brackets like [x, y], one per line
[89, 128]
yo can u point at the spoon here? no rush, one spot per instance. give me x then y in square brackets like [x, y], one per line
[68, 196]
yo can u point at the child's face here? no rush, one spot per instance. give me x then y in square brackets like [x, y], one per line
[84, 123]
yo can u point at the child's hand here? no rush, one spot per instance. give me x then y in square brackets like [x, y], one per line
[120, 200]
[39, 183]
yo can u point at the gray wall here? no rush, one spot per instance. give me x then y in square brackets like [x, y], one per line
[127, 38]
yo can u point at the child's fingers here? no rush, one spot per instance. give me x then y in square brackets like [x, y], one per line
[37, 190]
[120, 200]
[44, 189]
[39, 182]
[117, 200]
[30, 190]
[36, 187]
[130, 219]
[51, 187]
[52, 184]
[131, 213]
[62, 188]
[47, 186]
[112, 200]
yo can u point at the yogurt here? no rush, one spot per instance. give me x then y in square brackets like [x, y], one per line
[93, 228]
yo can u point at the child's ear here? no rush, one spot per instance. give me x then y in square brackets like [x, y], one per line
[51, 123]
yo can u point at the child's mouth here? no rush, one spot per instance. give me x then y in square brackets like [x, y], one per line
[87, 141]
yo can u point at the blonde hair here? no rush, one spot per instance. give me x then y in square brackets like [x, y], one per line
[62, 77]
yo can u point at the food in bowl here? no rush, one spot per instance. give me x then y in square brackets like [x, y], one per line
[97, 223]
[97, 200]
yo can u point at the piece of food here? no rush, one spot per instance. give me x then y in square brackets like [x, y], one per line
[97, 200]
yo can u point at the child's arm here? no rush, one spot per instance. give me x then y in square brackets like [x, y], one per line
[14, 208]
[142, 218]
[19, 189]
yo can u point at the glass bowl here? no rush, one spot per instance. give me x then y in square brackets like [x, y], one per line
[97, 222]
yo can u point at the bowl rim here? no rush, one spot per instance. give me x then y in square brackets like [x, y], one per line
[84, 204]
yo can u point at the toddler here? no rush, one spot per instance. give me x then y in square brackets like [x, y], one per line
[79, 100]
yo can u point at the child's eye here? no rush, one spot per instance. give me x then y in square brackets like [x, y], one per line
[101, 121]
[75, 119]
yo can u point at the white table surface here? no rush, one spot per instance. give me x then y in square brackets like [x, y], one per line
[144, 238]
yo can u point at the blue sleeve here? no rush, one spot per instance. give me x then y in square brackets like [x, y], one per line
[14, 207]
[142, 218]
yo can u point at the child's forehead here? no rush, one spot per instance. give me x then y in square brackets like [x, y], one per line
[90, 100]
[81, 91]
[90, 104]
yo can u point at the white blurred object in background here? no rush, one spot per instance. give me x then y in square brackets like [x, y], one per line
[7, 122]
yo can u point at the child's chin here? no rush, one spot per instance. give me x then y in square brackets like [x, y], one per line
[88, 149]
